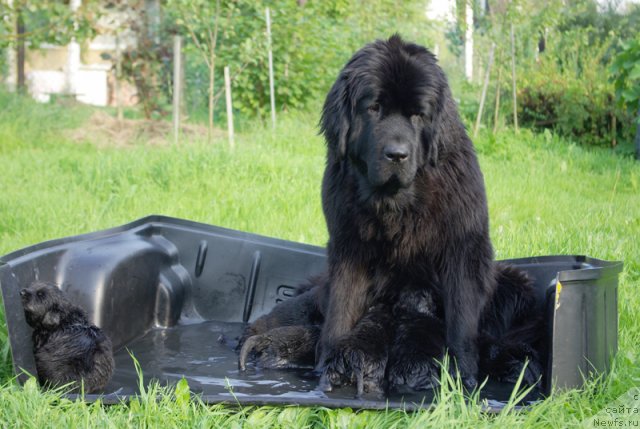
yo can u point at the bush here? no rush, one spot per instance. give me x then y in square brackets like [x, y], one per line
[573, 98]
[625, 71]
[563, 54]
[567, 89]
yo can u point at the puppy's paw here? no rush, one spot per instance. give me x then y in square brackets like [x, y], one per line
[283, 347]
[248, 332]
[511, 373]
[468, 379]
[507, 363]
[417, 374]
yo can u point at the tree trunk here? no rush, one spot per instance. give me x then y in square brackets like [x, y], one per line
[20, 30]
[152, 15]
[213, 42]
[10, 57]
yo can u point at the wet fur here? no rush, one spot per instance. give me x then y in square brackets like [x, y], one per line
[409, 248]
[67, 348]
[402, 345]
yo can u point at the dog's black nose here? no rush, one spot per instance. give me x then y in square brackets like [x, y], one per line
[24, 293]
[396, 152]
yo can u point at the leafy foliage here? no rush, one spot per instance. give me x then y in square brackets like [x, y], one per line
[147, 63]
[563, 53]
[310, 43]
[565, 90]
[45, 21]
[626, 74]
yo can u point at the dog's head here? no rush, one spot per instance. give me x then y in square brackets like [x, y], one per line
[384, 113]
[45, 305]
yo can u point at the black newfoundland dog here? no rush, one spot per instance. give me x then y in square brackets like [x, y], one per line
[410, 263]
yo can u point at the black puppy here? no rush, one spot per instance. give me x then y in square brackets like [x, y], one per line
[67, 348]
[511, 333]
[400, 342]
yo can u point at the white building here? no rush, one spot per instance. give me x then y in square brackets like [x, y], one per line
[78, 71]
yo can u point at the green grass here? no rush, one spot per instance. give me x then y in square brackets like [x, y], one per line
[546, 197]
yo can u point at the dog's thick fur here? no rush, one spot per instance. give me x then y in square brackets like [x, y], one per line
[67, 348]
[410, 262]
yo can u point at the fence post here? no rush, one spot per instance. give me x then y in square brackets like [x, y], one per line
[637, 139]
[177, 79]
[271, 90]
[11, 57]
[513, 78]
[116, 83]
[227, 90]
[484, 89]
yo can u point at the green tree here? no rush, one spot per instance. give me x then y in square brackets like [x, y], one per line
[625, 70]
[311, 41]
[45, 21]
[35, 22]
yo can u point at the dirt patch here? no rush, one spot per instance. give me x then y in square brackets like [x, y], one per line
[103, 129]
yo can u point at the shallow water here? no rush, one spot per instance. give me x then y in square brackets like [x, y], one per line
[195, 352]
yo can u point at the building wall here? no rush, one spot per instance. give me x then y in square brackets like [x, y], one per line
[45, 70]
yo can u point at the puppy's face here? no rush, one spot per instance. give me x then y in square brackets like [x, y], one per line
[44, 304]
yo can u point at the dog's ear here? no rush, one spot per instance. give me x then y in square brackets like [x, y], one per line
[335, 120]
[444, 128]
[430, 141]
[51, 319]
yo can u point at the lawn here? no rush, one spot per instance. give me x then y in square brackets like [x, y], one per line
[546, 196]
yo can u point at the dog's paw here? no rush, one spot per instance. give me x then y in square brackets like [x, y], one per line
[512, 370]
[421, 374]
[248, 332]
[507, 363]
[352, 364]
[283, 347]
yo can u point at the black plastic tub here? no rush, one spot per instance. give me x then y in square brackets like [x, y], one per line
[166, 290]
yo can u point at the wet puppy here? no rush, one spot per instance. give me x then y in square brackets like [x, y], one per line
[67, 348]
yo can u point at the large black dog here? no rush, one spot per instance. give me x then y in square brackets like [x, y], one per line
[410, 263]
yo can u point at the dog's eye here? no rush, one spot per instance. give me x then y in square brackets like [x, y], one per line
[374, 108]
[40, 294]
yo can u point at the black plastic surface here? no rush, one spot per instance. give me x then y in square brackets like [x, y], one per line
[167, 290]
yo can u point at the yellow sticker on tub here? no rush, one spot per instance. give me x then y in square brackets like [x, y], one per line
[558, 292]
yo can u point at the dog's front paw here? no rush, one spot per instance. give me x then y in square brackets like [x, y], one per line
[351, 363]
[421, 374]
